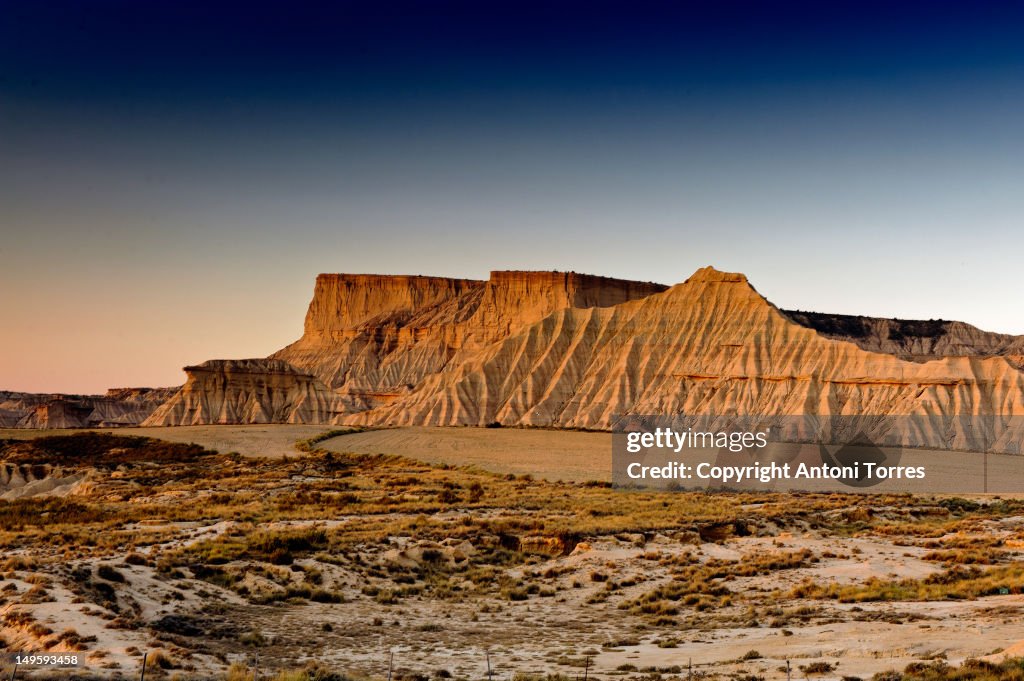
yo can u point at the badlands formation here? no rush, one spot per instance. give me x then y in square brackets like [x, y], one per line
[567, 350]
[573, 351]
[119, 407]
[247, 391]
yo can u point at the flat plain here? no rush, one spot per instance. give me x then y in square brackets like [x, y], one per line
[545, 453]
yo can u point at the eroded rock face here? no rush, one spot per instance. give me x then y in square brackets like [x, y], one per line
[711, 345]
[344, 302]
[375, 346]
[916, 340]
[247, 391]
[119, 407]
[570, 350]
[21, 481]
[567, 350]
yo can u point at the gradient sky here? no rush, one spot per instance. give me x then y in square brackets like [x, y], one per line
[173, 175]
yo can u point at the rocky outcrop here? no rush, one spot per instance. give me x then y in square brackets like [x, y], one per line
[513, 300]
[9, 418]
[58, 413]
[375, 346]
[344, 302]
[119, 407]
[247, 391]
[567, 350]
[915, 340]
[711, 345]
[574, 351]
[18, 481]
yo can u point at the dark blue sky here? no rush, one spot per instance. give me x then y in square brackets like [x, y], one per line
[168, 161]
[194, 54]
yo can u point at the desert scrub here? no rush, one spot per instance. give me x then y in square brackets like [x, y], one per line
[254, 639]
[661, 604]
[278, 547]
[109, 573]
[1011, 669]
[694, 585]
[954, 584]
[313, 672]
[764, 563]
[102, 450]
[324, 596]
[37, 594]
[983, 556]
[819, 667]
[71, 640]
[160, 660]
[310, 444]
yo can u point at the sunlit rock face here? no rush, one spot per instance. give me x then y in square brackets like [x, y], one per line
[375, 338]
[247, 391]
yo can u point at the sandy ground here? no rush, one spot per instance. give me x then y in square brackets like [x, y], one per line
[582, 456]
[549, 454]
[541, 634]
[558, 633]
[263, 440]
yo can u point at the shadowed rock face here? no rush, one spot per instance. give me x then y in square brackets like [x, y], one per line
[915, 340]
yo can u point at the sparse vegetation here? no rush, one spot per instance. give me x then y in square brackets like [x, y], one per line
[391, 538]
[953, 584]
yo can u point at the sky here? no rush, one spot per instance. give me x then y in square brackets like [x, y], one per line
[173, 175]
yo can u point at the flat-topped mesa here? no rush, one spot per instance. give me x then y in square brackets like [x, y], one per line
[373, 337]
[247, 391]
[343, 302]
[516, 298]
[571, 350]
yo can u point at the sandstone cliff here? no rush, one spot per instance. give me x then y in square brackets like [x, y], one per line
[373, 339]
[247, 391]
[711, 345]
[571, 350]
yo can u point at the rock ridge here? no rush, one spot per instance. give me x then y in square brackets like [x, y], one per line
[569, 350]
